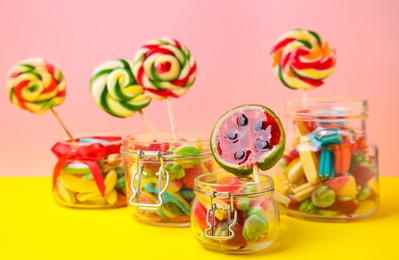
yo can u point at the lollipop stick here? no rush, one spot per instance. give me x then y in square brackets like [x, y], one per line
[172, 118]
[62, 124]
[150, 126]
[305, 98]
[255, 170]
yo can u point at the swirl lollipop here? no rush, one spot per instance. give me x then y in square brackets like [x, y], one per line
[36, 85]
[165, 69]
[302, 59]
[115, 90]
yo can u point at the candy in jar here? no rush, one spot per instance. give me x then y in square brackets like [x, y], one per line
[330, 168]
[160, 175]
[89, 173]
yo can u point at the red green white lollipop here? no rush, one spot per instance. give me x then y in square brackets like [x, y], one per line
[116, 91]
[246, 138]
[37, 86]
[165, 69]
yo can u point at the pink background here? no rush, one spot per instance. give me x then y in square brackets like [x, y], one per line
[231, 41]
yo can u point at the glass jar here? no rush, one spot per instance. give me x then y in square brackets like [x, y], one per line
[160, 175]
[234, 215]
[89, 173]
[330, 169]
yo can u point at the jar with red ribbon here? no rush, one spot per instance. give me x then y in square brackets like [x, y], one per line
[330, 168]
[89, 173]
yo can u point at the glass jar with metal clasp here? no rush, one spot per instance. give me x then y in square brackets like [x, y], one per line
[160, 175]
[237, 218]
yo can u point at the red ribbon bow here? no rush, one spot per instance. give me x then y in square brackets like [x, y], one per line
[88, 154]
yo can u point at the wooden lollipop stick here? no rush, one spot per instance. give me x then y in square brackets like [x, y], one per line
[172, 118]
[255, 171]
[150, 126]
[62, 124]
[305, 98]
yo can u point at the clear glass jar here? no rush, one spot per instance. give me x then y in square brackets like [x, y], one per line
[160, 175]
[330, 168]
[89, 173]
[234, 215]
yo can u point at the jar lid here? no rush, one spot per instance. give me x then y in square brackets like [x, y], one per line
[208, 184]
[332, 107]
[190, 145]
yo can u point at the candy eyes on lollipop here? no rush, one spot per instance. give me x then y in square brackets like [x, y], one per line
[36, 85]
[165, 68]
[246, 138]
[302, 59]
[115, 90]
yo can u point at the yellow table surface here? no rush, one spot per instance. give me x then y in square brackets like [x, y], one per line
[33, 226]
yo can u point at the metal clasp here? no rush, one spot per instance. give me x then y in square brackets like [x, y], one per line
[230, 224]
[137, 174]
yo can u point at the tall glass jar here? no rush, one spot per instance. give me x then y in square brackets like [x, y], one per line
[89, 173]
[330, 168]
[234, 215]
[160, 175]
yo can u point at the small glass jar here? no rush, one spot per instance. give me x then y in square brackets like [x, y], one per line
[330, 168]
[160, 175]
[236, 216]
[89, 173]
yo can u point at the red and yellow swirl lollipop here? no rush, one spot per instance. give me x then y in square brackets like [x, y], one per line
[37, 86]
[302, 59]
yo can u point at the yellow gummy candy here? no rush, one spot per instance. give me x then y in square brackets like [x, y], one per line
[77, 184]
[109, 182]
[67, 195]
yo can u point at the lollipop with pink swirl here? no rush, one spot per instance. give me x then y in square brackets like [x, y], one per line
[165, 69]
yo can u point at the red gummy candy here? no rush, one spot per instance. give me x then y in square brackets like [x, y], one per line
[229, 184]
[200, 215]
[348, 206]
[190, 175]
[363, 172]
[238, 240]
[163, 147]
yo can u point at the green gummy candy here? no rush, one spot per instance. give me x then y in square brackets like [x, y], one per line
[323, 197]
[256, 211]
[187, 150]
[172, 207]
[242, 204]
[76, 168]
[307, 206]
[358, 158]
[187, 195]
[175, 171]
[364, 192]
[255, 228]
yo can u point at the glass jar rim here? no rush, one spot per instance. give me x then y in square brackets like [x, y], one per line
[147, 138]
[266, 184]
[337, 107]
[112, 140]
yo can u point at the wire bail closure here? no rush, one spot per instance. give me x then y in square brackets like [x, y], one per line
[137, 174]
[230, 223]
